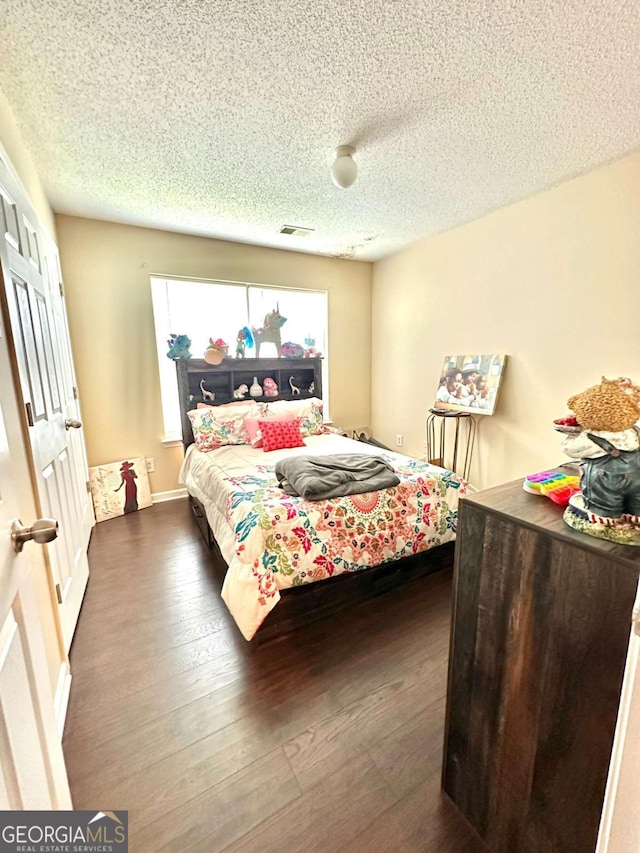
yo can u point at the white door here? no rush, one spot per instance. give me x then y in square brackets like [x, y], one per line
[32, 771]
[620, 822]
[47, 384]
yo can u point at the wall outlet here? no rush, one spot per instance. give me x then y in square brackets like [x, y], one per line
[399, 439]
[150, 462]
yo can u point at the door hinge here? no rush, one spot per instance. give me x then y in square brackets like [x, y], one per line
[88, 485]
[61, 289]
[29, 410]
[75, 393]
[58, 593]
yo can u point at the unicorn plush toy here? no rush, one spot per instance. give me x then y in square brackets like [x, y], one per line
[270, 331]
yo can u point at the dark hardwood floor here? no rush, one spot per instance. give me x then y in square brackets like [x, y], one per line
[328, 739]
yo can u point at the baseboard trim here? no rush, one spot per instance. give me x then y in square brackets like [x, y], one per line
[61, 699]
[173, 495]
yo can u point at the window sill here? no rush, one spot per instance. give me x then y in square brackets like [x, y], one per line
[171, 442]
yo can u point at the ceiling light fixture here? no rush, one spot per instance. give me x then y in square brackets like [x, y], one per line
[344, 169]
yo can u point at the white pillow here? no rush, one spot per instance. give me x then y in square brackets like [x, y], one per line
[309, 412]
[215, 426]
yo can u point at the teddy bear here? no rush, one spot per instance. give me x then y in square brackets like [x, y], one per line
[606, 440]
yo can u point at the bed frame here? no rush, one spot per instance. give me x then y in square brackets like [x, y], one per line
[298, 605]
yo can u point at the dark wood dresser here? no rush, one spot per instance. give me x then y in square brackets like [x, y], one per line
[541, 624]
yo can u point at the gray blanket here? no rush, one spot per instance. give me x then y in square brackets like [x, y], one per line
[317, 478]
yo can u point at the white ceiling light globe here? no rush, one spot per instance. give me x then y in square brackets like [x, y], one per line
[344, 169]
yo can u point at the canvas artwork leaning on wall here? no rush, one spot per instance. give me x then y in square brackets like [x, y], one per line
[470, 383]
[119, 488]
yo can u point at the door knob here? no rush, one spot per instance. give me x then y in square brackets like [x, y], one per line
[72, 423]
[43, 530]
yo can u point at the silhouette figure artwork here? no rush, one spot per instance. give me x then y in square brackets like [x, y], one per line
[119, 488]
[270, 331]
[128, 477]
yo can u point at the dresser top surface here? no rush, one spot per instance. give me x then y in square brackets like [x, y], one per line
[538, 512]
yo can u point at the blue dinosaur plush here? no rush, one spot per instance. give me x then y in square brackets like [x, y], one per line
[178, 346]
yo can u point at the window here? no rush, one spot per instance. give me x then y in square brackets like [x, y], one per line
[219, 309]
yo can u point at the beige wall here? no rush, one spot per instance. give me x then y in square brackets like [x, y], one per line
[106, 269]
[553, 281]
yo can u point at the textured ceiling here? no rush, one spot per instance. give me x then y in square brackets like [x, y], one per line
[221, 118]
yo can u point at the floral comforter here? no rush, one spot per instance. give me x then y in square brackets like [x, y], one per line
[272, 541]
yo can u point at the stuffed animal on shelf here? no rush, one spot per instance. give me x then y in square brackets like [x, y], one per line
[240, 392]
[606, 440]
[178, 346]
[269, 387]
[216, 352]
[310, 348]
[291, 350]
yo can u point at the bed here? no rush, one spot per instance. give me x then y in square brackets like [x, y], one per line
[287, 560]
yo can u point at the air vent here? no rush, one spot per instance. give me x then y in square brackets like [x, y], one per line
[296, 230]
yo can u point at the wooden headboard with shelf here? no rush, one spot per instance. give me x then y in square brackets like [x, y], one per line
[223, 378]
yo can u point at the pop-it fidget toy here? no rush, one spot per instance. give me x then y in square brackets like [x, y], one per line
[558, 487]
